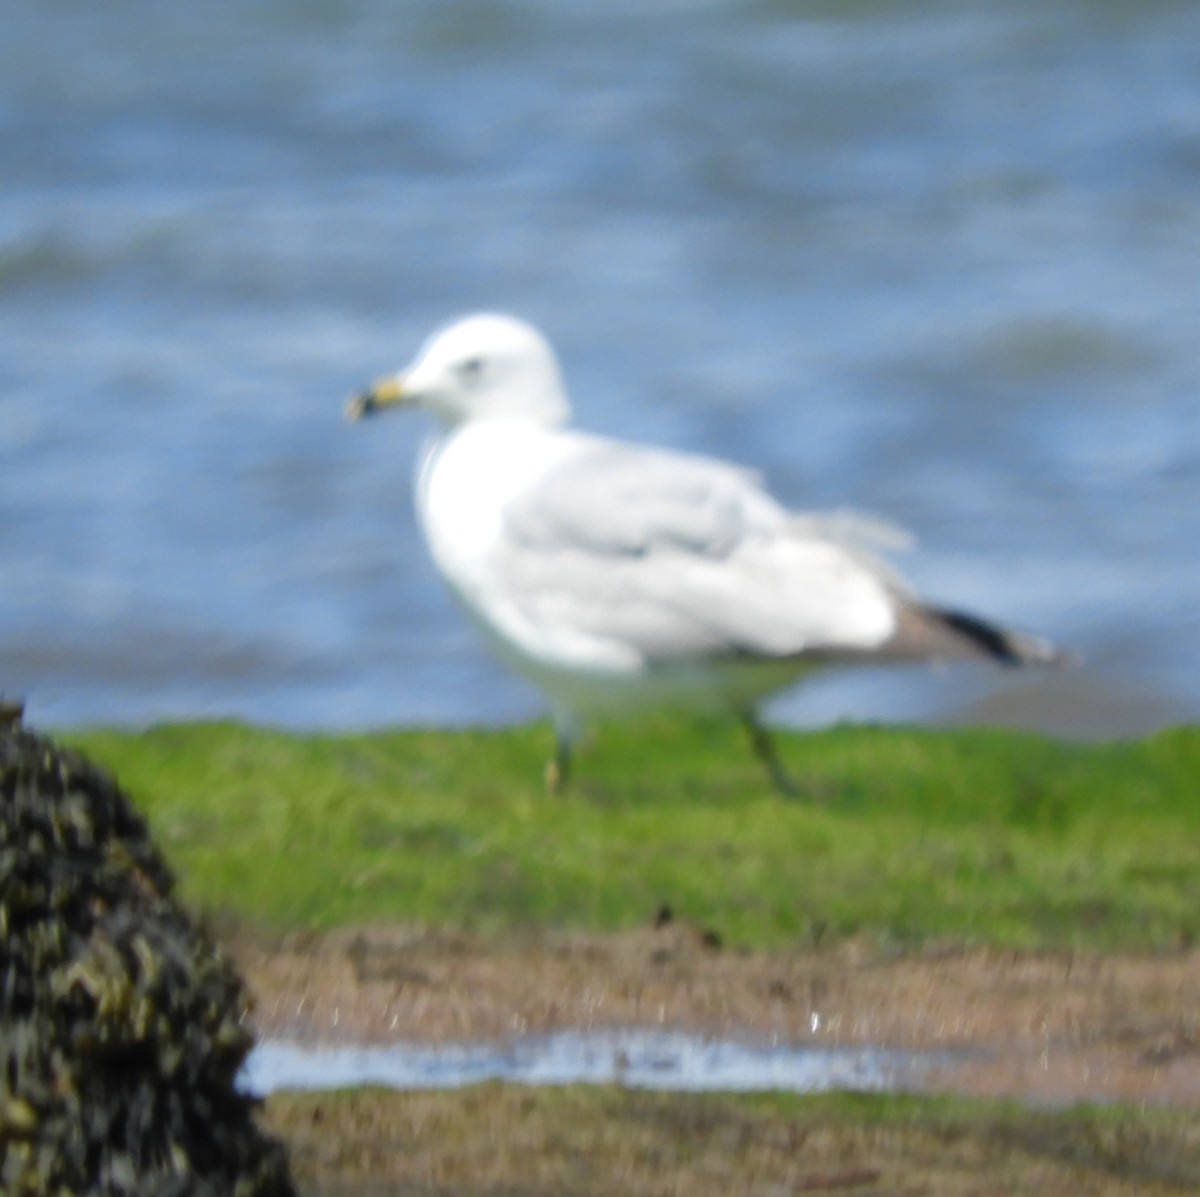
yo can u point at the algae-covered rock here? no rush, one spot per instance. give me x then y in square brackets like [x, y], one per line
[122, 1026]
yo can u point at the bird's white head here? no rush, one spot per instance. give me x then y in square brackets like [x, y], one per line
[477, 368]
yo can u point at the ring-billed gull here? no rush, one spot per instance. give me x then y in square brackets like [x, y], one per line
[618, 577]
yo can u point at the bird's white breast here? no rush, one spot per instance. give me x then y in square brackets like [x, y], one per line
[467, 479]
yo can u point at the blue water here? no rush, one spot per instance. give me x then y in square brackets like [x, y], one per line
[638, 1058]
[934, 260]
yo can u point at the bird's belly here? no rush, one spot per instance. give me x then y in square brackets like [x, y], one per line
[613, 687]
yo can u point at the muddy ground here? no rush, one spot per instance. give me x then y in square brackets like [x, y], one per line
[1043, 1027]
[1048, 1029]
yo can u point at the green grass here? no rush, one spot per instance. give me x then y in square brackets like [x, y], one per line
[904, 836]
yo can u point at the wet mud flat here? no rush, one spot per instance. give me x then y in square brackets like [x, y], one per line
[1037, 1027]
[1071, 1072]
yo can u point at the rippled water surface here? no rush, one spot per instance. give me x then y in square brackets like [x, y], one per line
[934, 260]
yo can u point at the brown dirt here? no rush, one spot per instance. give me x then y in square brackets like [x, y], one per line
[1043, 1027]
[501, 1141]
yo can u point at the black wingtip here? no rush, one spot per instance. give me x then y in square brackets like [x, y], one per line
[1000, 644]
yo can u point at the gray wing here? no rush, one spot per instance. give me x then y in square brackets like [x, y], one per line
[679, 557]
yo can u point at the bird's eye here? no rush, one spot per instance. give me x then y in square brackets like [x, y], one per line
[470, 369]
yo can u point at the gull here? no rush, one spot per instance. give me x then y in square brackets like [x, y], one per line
[619, 577]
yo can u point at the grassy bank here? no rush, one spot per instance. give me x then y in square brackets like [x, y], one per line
[904, 835]
[501, 1140]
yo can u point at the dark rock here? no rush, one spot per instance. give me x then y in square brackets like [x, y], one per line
[122, 1025]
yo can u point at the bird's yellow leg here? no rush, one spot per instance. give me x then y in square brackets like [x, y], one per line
[558, 767]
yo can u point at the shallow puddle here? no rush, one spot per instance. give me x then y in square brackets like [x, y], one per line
[639, 1058]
